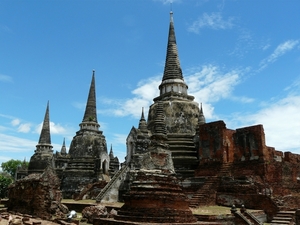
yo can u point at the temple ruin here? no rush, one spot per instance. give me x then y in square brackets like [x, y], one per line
[87, 161]
[175, 160]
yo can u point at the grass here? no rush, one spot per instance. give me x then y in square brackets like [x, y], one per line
[90, 201]
[211, 210]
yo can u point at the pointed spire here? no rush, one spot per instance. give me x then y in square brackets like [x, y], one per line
[142, 116]
[201, 119]
[172, 66]
[63, 150]
[172, 82]
[45, 139]
[143, 123]
[111, 154]
[90, 114]
[89, 121]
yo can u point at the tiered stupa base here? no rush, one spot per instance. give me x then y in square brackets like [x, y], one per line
[155, 197]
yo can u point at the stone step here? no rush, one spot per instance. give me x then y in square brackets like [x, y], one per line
[184, 153]
[180, 141]
[282, 218]
[273, 222]
[292, 213]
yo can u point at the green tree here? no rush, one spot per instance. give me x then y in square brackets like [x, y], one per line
[5, 181]
[12, 165]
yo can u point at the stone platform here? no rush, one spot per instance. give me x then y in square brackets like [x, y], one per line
[155, 197]
[108, 221]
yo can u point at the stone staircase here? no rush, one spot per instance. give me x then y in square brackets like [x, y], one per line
[110, 184]
[206, 195]
[243, 218]
[284, 217]
[184, 154]
[250, 217]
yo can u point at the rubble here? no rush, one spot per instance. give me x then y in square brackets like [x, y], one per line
[38, 195]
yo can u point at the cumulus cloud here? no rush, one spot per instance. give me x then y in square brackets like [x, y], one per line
[281, 121]
[143, 97]
[24, 128]
[213, 21]
[280, 50]
[15, 122]
[54, 128]
[209, 84]
[280, 118]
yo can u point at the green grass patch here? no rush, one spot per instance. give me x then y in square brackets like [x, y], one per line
[211, 210]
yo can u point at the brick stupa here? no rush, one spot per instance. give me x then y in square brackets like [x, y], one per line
[155, 195]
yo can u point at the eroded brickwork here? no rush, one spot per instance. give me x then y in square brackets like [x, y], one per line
[244, 164]
[38, 195]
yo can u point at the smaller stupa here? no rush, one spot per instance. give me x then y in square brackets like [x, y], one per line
[43, 154]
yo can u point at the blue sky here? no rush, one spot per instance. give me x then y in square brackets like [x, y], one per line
[240, 58]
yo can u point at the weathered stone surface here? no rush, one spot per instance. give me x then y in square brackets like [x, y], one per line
[218, 143]
[181, 116]
[94, 212]
[91, 190]
[155, 197]
[38, 195]
[87, 160]
[39, 162]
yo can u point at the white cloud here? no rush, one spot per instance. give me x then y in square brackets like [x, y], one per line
[209, 84]
[57, 128]
[244, 44]
[167, 1]
[143, 97]
[148, 89]
[10, 143]
[281, 121]
[265, 47]
[15, 122]
[54, 128]
[213, 21]
[24, 128]
[281, 49]
[5, 78]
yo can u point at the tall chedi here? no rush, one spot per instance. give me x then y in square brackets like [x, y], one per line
[89, 160]
[43, 154]
[181, 112]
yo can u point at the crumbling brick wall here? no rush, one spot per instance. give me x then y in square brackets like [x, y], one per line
[37, 194]
[215, 142]
[242, 155]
